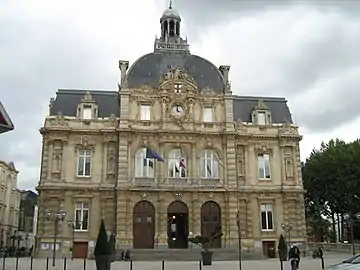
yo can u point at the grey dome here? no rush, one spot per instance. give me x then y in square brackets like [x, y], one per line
[170, 13]
[148, 69]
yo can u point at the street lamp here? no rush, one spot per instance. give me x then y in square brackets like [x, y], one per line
[350, 222]
[287, 228]
[56, 217]
[72, 224]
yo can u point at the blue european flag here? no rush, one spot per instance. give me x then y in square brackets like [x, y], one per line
[152, 154]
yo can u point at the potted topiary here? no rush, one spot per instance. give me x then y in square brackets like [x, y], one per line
[102, 250]
[112, 241]
[205, 243]
[282, 250]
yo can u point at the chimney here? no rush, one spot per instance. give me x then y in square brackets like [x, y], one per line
[225, 72]
[123, 66]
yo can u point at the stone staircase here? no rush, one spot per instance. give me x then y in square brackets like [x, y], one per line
[186, 255]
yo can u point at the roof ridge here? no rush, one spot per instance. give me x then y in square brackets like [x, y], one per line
[83, 91]
[256, 98]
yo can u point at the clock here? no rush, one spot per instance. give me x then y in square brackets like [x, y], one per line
[177, 110]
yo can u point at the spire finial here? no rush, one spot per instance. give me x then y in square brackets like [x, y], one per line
[170, 4]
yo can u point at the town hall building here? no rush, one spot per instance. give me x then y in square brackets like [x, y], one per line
[172, 153]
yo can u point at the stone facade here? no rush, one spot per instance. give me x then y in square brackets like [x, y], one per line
[10, 197]
[127, 156]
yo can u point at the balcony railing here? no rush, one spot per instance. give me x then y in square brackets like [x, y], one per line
[176, 183]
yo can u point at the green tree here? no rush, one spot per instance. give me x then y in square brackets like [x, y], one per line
[330, 177]
[102, 245]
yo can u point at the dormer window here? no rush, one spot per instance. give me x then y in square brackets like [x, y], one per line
[178, 87]
[88, 108]
[261, 114]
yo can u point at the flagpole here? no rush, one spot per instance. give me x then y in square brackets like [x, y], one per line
[239, 236]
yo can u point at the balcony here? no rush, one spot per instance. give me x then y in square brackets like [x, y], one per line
[176, 183]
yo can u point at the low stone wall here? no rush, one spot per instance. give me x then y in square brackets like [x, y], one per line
[335, 247]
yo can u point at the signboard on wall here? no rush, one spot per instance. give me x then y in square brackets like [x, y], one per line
[5, 121]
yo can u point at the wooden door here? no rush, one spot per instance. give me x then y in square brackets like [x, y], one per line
[80, 249]
[144, 225]
[211, 221]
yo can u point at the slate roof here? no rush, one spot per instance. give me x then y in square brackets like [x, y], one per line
[5, 121]
[66, 101]
[148, 69]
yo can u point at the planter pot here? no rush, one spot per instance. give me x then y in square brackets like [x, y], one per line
[103, 262]
[206, 257]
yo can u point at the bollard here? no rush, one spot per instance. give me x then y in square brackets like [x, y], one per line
[84, 263]
[65, 263]
[31, 262]
[200, 265]
[163, 265]
[17, 262]
[322, 263]
[47, 263]
[3, 268]
[131, 265]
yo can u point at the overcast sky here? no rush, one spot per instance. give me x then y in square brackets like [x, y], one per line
[306, 51]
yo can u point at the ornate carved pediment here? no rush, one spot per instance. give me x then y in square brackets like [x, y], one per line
[177, 77]
[59, 121]
[240, 127]
[260, 105]
[287, 129]
[88, 98]
[262, 148]
[85, 143]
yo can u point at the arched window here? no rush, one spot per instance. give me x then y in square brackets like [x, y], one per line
[144, 167]
[209, 164]
[177, 164]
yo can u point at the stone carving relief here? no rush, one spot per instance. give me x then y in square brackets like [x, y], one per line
[263, 148]
[260, 105]
[287, 129]
[178, 195]
[59, 121]
[240, 159]
[112, 121]
[57, 156]
[88, 98]
[111, 158]
[85, 143]
[288, 160]
[240, 127]
[176, 75]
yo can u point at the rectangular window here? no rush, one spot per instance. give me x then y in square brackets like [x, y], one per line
[208, 115]
[264, 166]
[84, 163]
[82, 217]
[261, 118]
[267, 212]
[145, 111]
[87, 113]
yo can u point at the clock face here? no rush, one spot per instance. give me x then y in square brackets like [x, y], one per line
[177, 110]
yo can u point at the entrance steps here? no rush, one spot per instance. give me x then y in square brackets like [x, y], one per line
[225, 254]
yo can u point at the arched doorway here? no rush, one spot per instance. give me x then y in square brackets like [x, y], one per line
[144, 225]
[178, 225]
[211, 221]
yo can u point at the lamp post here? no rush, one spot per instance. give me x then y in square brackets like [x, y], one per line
[350, 222]
[72, 224]
[56, 217]
[287, 228]
[239, 237]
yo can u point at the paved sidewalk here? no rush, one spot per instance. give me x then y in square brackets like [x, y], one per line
[273, 264]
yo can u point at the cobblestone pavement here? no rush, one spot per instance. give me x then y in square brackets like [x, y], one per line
[273, 264]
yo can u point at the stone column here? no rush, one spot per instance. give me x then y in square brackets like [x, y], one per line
[231, 164]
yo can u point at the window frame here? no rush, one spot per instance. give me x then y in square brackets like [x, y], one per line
[90, 110]
[177, 155]
[209, 157]
[264, 114]
[146, 113]
[267, 212]
[265, 163]
[204, 116]
[84, 156]
[140, 157]
[79, 224]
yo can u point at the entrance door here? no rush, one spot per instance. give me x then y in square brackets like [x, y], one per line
[178, 225]
[269, 249]
[80, 249]
[144, 225]
[211, 221]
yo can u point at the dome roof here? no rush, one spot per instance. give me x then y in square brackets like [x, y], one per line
[148, 69]
[170, 13]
